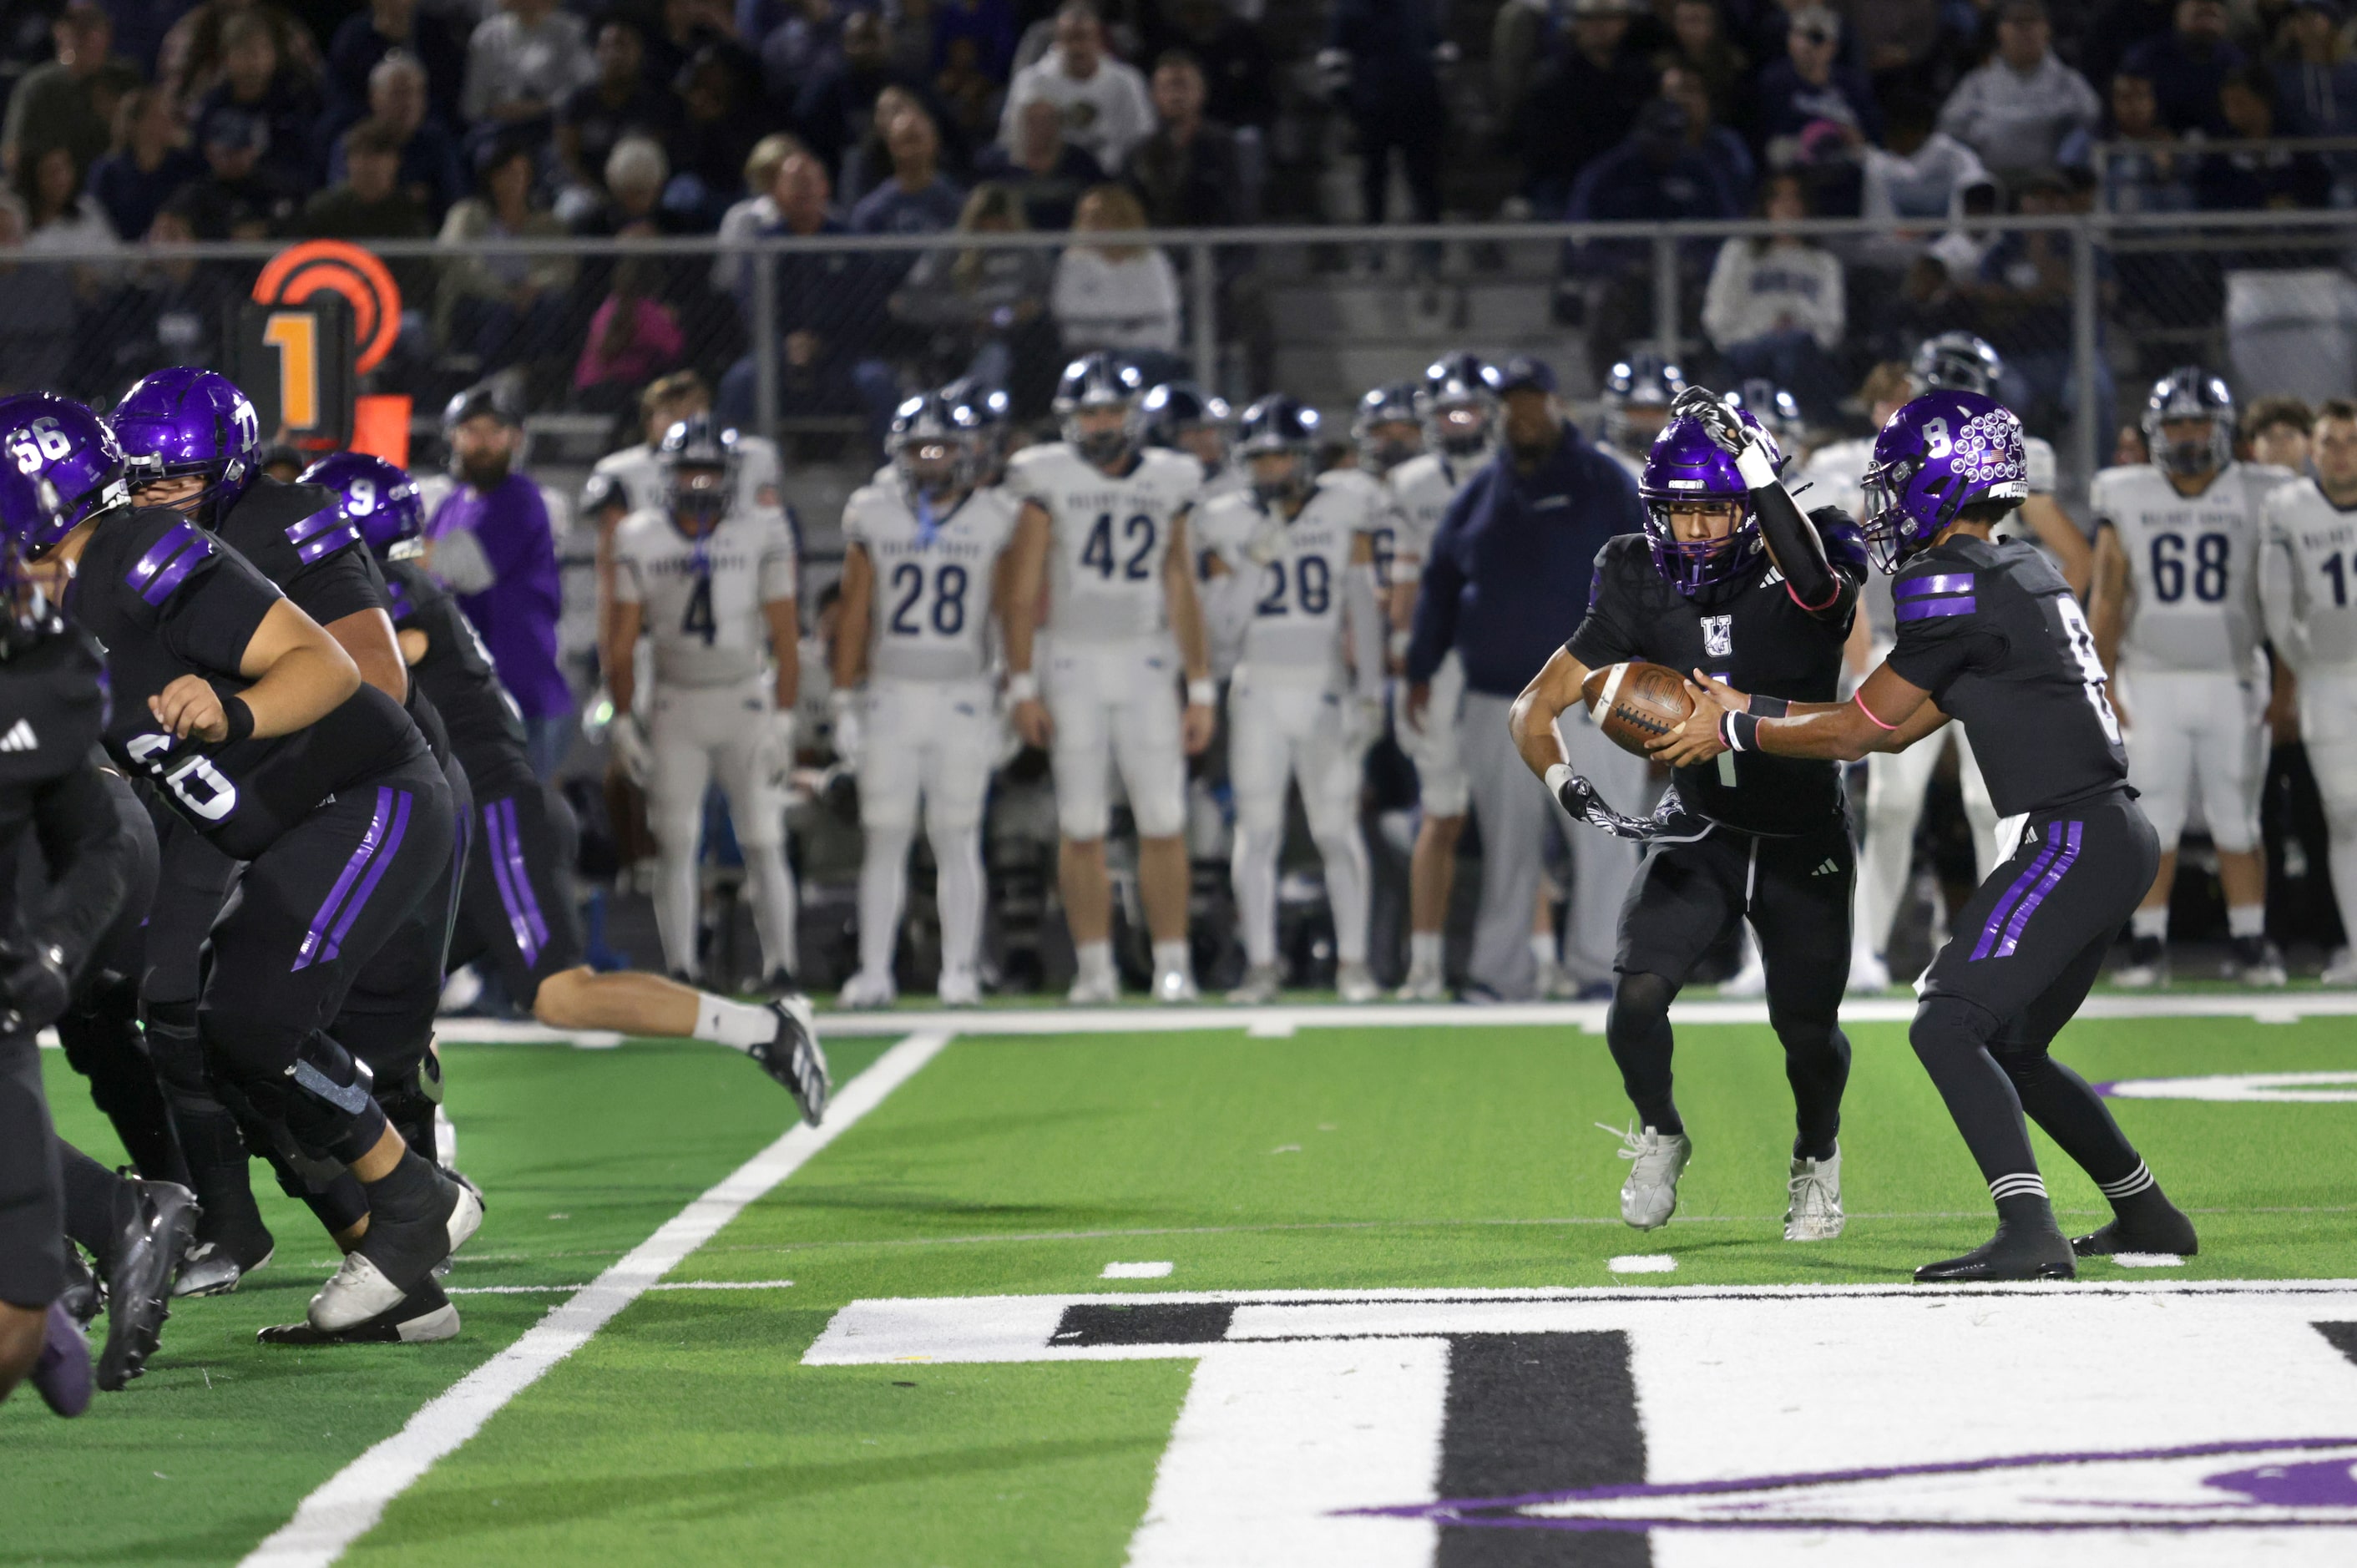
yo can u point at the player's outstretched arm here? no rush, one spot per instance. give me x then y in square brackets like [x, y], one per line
[1889, 714]
[621, 654]
[1553, 690]
[2109, 614]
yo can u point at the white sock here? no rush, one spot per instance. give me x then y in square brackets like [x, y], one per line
[2150, 922]
[2247, 920]
[727, 1023]
[959, 894]
[1093, 960]
[675, 909]
[1423, 950]
[1171, 958]
[1542, 949]
[1252, 871]
[1345, 856]
[775, 905]
[883, 891]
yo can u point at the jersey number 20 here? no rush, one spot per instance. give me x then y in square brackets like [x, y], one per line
[1138, 533]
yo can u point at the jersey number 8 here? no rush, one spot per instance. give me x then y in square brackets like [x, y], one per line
[1098, 551]
[949, 599]
[2081, 639]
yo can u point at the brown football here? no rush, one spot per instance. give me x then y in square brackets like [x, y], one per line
[1636, 701]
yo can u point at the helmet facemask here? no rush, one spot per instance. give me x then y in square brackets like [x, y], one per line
[699, 496]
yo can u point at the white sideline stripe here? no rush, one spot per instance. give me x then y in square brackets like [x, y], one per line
[349, 1504]
[1643, 1264]
[1136, 1272]
[667, 1284]
[2149, 1259]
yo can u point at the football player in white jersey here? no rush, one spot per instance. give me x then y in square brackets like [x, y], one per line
[915, 707]
[632, 479]
[1296, 554]
[1179, 416]
[1458, 405]
[1103, 534]
[2308, 592]
[1638, 393]
[711, 582]
[2177, 622]
[1388, 433]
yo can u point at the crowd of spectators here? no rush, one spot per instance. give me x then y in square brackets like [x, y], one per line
[476, 122]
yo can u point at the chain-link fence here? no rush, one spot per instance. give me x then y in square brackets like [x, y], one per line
[816, 339]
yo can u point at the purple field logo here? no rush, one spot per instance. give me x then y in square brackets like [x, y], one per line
[2262, 1483]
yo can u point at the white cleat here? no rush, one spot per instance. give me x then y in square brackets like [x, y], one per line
[1814, 1213]
[2342, 973]
[1650, 1196]
[866, 992]
[1094, 991]
[960, 988]
[1423, 985]
[1175, 987]
[1867, 972]
[1259, 987]
[1356, 985]
[358, 1291]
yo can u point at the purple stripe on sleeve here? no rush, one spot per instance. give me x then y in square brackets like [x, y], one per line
[163, 550]
[375, 875]
[2021, 885]
[493, 846]
[2038, 895]
[521, 878]
[1925, 609]
[326, 545]
[369, 841]
[1938, 582]
[317, 522]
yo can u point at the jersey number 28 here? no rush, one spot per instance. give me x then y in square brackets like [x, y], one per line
[948, 615]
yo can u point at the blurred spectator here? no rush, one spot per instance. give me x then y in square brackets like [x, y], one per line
[239, 196]
[2128, 448]
[1808, 85]
[1522, 37]
[2024, 293]
[1238, 63]
[1653, 175]
[1703, 47]
[829, 305]
[978, 33]
[429, 154]
[1775, 305]
[174, 311]
[59, 216]
[1103, 100]
[370, 202]
[868, 163]
[1582, 102]
[804, 38]
[2118, 26]
[837, 107]
[1895, 40]
[150, 161]
[192, 57]
[255, 80]
[1388, 51]
[1187, 174]
[1123, 297]
[2187, 65]
[383, 27]
[970, 96]
[2275, 431]
[523, 62]
[1046, 172]
[633, 337]
[985, 308]
[70, 102]
[756, 210]
[37, 312]
[909, 37]
[2022, 110]
[2248, 178]
[618, 102]
[501, 307]
[2145, 170]
[917, 200]
[1923, 173]
[2316, 87]
[139, 29]
[716, 134]
[1685, 86]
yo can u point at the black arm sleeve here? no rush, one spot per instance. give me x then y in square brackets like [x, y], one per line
[90, 857]
[1799, 550]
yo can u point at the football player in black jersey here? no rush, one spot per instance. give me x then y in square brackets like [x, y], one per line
[191, 440]
[256, 728]
[1990, 634]
[52, 796]
[1729, 577]
[517, 911]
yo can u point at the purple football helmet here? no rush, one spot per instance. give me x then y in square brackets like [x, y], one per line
[1942, 452]
[186, 421]
[58, 440]
[377, 499]
[1686, 465]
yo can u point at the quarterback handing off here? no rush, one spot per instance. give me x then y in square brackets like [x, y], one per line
[1989, 634]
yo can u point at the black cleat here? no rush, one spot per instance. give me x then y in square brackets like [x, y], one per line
[793, 1057]
[216, 1267]
[83, 1298]
[2138, 1226]
[421, 1317]
[139, 1286]
[61, 1372]
[2015, 1252]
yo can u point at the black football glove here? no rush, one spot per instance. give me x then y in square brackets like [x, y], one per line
[1719, 421]
[35, 984]
[1670, 824]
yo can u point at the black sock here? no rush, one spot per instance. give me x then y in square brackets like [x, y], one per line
[210, 1141]
[91, 1193]
[2026, 1211]
[102, 1040]
[1950, 1038]
[1638, 1031]
[412, 1190]
[2068, 1111]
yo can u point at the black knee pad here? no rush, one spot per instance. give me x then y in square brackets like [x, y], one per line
[323, 1100]
[1946, 1027]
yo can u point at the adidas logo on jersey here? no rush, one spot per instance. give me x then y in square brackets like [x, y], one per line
[1828, 868]
[21, 737]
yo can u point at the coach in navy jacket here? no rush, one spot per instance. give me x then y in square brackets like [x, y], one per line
[1504, 583]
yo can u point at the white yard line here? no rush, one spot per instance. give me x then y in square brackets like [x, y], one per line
[351, 1501]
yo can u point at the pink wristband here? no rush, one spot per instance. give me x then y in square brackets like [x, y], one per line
[1860, 700]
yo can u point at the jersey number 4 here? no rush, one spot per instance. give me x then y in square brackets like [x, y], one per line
[1136, 534]
[2211, 552]
[948, 615]
[698, 621]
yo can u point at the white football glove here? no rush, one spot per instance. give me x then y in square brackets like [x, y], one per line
[850, 727]
[778, 750]
[631, 747]
[1362, 723]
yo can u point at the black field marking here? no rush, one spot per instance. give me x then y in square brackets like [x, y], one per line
[1143, 1323]
[1539, 1413]
[2343, 1336]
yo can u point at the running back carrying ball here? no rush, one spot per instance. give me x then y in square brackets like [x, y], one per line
[1636, 701]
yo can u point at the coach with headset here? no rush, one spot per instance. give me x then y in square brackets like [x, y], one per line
[1505, 583]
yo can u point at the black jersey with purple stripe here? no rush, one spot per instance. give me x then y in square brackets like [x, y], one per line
[166, 599]
[485, 724]
[1993, 633]
[296, 536]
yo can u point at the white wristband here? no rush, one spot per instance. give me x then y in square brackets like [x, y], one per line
[1555, 774]
[1023, 687]
[1758, 472]
[1202, 693]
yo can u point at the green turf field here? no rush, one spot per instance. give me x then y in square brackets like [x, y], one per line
[1451, 1157]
